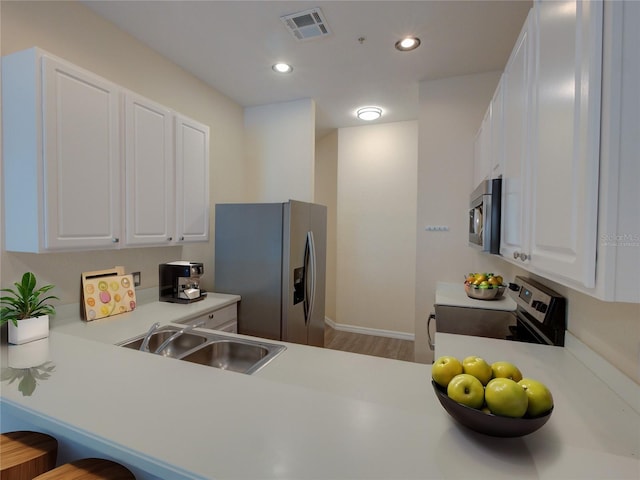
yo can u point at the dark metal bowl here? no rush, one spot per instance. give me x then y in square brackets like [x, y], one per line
[487, 423]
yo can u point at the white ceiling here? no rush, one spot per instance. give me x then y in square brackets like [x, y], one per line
[231, 45]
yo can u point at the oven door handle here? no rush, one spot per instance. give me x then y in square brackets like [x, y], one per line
[432, 345]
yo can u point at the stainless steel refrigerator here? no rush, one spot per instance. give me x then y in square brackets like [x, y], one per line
[274, 256]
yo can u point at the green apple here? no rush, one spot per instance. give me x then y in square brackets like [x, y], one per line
[506, 398]
[540, 398]
[477, 367]
[506, 370]
[467, 390]
[444, 369]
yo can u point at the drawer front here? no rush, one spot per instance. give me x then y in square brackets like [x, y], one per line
[217, 318]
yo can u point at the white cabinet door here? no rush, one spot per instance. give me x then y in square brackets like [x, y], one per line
[61, 155]
[482, 151]
[497, 132]
[149, 172]
[192, 180]
[566, 139]
[81, 158]
[516, 88]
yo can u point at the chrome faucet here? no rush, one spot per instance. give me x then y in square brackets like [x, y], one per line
[145, 343]
[166, 343]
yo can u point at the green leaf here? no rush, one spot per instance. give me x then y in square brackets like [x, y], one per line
[27, 385]
[25, 301]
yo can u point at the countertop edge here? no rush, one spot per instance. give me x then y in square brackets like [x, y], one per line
[131, 458]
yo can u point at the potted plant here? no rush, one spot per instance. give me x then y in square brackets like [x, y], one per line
[27, 307]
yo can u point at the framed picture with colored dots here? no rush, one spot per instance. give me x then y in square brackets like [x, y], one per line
[106, 293]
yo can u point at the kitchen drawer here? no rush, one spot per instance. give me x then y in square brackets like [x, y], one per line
[220, 319]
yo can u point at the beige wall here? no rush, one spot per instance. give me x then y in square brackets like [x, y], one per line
[451, 111]
[326, 193]
[72, 32]
[280, 151]
[375, 275]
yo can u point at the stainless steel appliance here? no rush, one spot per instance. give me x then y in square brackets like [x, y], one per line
[179, 282]
[273, 255]
[484, 216]
[541, 315]
[535, 314]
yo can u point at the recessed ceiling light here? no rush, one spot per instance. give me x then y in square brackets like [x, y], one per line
[407, 44]
[369, 113]
[282, 68]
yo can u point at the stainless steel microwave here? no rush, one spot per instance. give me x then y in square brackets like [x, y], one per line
[484, 216]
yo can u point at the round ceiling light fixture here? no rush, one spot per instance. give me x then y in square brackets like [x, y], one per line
[369, 113]
[407, 44]
[282, 68]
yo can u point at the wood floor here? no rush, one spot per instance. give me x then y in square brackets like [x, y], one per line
[368, 344]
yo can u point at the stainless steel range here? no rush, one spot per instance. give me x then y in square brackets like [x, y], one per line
[541, 315]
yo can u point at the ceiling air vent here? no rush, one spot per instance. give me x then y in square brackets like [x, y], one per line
[306, 25]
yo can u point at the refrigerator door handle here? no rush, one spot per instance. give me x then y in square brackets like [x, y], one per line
[312, 267]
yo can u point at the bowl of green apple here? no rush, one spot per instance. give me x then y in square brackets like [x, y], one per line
[492, 399]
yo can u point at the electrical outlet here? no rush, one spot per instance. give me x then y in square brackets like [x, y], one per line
[137, 279]
[437, 228]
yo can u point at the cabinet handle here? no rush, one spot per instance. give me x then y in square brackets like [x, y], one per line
[523, 257]
[210, 315]
[432, 344]
[181, 239]
[169, 239]
[115, 240]
[516, 255]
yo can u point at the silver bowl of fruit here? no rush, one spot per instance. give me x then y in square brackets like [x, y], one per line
[484, 286]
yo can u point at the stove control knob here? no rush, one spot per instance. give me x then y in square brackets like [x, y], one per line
[541, 307]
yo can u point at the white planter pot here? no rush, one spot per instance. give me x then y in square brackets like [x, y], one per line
[28, 330]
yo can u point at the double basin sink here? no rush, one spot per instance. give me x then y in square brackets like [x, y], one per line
[207, 348]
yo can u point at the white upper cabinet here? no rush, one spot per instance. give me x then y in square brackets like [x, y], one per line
[497, 132]
[566, 139]
[552, 93]
[86, 162]
[192, 180]
[149, 172]
[61, 156]
[482, 151]
[488, 149]
[571, 122]
[516, 89]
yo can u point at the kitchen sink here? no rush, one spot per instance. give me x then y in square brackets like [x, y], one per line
[229, 355]
[208, 348]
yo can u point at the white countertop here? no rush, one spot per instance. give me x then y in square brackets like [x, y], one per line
[453, 294]
[314, 413]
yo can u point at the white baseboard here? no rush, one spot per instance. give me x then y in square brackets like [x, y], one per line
[369, 331]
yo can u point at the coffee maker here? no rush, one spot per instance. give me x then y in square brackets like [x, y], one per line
[180, 282]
